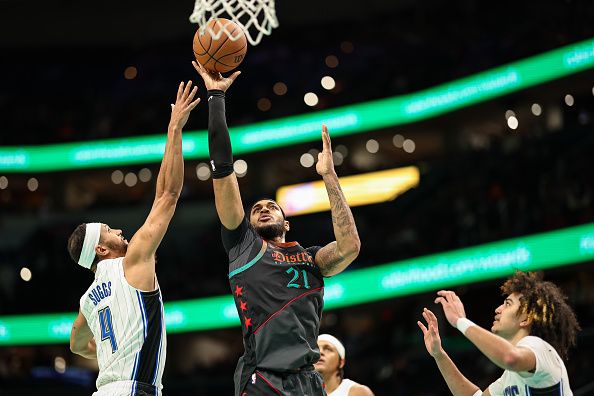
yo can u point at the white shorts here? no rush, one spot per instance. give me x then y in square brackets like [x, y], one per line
[128, 388]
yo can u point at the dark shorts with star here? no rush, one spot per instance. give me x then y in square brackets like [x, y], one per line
[278, 291]
[265, 383]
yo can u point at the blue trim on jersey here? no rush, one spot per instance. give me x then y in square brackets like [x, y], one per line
[135, 366]
[252, 262]
[160, 343]
[142, 311]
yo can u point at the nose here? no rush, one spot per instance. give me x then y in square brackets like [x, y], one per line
[118, 232]
[498, 309]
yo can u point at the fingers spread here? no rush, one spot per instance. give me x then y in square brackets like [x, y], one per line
[432, 315]
[180, 89]
[190, 97]
[234, 75]
[422, 326]
[198, 67]
[187, 89]
[194, 104]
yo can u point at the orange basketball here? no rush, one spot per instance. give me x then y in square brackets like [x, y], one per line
[222, 54]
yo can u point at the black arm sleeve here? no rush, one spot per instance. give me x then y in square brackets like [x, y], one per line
[219, 142]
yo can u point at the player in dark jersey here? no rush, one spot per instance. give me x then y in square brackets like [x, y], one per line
[278, 286]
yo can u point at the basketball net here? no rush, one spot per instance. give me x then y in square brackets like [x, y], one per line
[256, 17]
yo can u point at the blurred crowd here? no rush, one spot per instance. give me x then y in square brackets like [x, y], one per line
[86, 92]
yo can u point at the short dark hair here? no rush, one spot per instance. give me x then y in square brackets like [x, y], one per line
[269, 199]
[553, 320]
[75, 243]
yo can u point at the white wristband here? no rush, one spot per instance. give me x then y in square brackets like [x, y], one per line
[463, 324]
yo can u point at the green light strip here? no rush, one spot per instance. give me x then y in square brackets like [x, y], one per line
[479, 263]
[304, 128]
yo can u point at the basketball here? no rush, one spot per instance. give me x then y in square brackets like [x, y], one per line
[220, 54]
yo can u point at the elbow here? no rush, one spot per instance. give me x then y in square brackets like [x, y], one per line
[511, 360]
[354, 248]
[170, 197]
[351, 250]
[73, 347]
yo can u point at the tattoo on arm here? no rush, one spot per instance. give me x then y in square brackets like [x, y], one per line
[339, 253]
[342, 218]
[330, 258]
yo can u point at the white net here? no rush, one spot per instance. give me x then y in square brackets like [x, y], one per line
[256, 17]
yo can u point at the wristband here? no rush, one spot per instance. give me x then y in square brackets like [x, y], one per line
[463, 324]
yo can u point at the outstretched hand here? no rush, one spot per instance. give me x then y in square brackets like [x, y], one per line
[325, 164]
[452, 306]
[184, 104]
[214, 80]
[431, 333]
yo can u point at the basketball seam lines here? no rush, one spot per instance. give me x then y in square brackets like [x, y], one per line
[231, 53]
[205, 51]
[220, 46]
[212, 57]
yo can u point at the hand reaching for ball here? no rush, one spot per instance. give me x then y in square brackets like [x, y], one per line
[214, 80]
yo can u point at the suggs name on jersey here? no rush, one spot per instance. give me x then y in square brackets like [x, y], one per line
[100, 292]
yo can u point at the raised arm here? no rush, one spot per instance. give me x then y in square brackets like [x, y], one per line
[336, 256]
[226, 189]
[81, 338]
[459, 385]
[139, 264]
[500, 351]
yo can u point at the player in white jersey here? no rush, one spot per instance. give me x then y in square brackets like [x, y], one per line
[121, 321]
[331, 364]
[531, 329]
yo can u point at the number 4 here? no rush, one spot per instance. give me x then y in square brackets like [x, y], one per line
[106, 325]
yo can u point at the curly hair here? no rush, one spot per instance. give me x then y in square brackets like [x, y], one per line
[553, 320]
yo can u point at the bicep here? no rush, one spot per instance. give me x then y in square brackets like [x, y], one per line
[360, 390]
[524, 360]
[228, 201]
[80, 329]
[329, 260]
[145, 242]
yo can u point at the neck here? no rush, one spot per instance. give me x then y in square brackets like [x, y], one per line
[518, 336]
[280, 239]
[332, 382]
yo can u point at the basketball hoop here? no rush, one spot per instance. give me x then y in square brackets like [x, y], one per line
[256, 17]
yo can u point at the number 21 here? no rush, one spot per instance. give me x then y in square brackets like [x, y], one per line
[296, 276]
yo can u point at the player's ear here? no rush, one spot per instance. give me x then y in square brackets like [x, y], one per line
[101, 250]
[287, 226]
[526, 322]
[341, 364]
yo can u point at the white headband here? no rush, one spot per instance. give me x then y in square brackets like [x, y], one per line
[87, 254]
[334, 341]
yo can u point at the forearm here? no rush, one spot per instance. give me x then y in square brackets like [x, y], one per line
[219, 141]
[171, 174]
[82, 342]
[345, 230]
[226, 189]
[498, 350]
[89, 351]
[458, 384]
